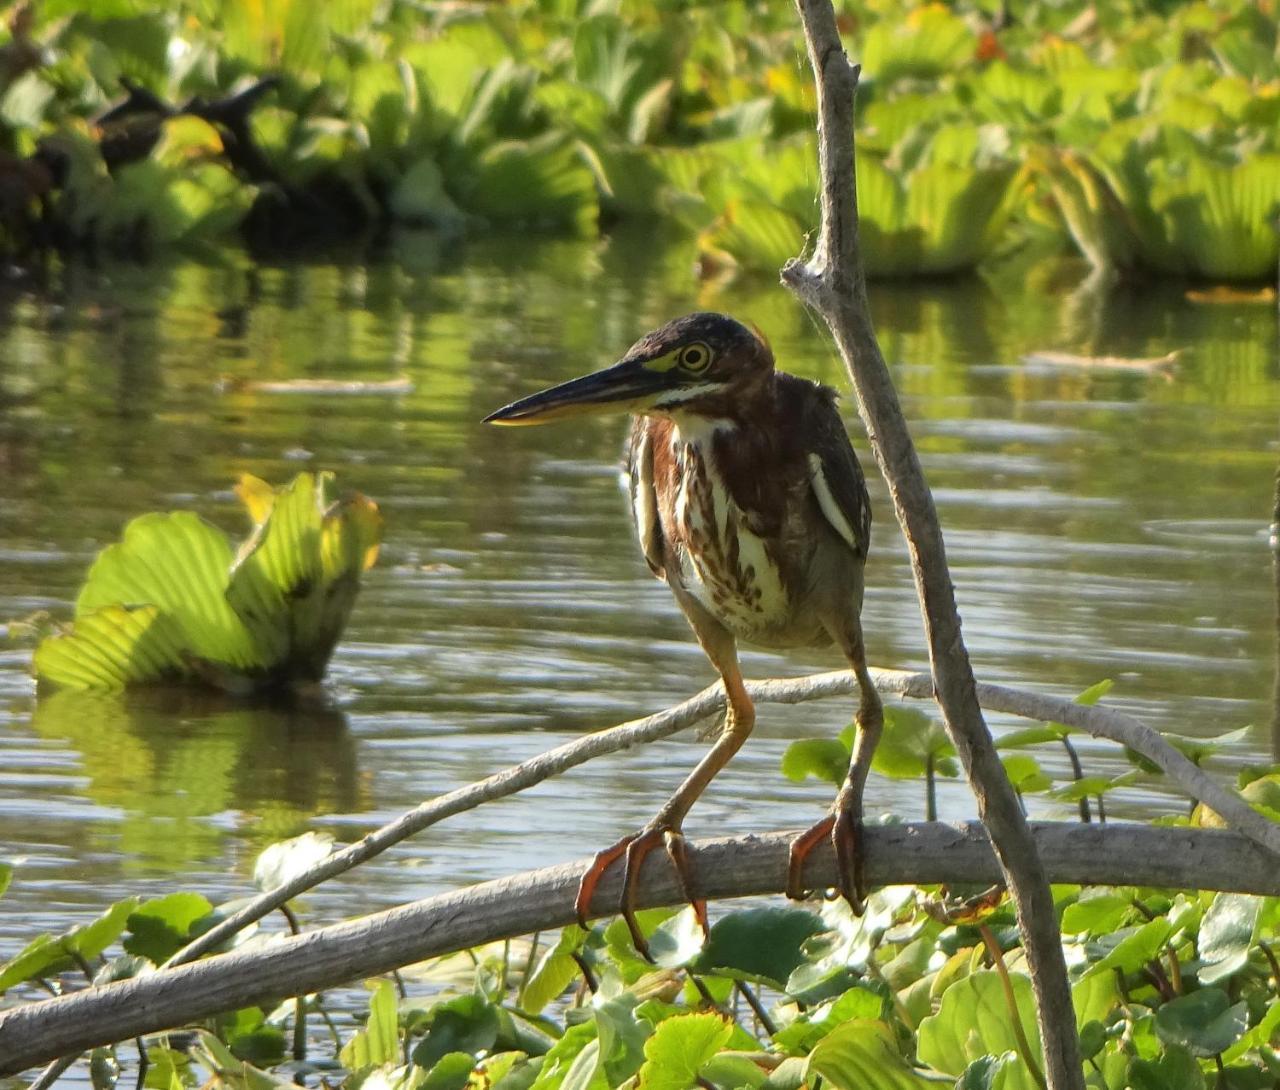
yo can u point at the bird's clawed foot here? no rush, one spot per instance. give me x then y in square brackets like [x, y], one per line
[633, 851]
[844, 826]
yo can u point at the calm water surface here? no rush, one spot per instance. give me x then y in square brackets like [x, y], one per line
[1100, 524]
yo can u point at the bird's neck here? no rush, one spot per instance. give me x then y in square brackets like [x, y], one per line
[751, 408]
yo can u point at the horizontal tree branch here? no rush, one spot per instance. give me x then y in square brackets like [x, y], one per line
[1097, 720]
[923, 853]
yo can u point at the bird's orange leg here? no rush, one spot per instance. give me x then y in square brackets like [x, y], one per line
[844, 823]
[664, 830]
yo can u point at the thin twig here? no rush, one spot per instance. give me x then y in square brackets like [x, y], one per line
[753, 1001]
[1015, 1016]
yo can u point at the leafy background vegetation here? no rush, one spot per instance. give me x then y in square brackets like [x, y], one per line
[1144, 135]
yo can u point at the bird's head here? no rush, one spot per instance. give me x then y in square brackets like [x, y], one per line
[698, 364]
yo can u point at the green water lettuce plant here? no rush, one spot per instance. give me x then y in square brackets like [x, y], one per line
[173, 603]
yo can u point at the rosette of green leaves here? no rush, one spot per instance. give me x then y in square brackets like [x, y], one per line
[171, 602]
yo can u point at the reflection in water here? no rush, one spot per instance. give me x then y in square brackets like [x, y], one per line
[172, 760]
[1099, 525]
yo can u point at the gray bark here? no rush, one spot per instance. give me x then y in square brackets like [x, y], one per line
[922, 853]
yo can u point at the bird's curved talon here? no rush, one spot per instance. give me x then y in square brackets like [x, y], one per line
[591, 878]
[846, 838]
[633, 850]
[801, 848]
[844, 828]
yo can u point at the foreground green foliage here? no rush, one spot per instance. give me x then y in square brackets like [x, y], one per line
[1172, 989]
[173, 603]
[1148, 138]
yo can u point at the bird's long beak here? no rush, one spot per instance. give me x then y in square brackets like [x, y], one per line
[626, 386]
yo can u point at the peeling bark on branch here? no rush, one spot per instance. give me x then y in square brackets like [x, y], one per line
[833, 284]
[919, 853]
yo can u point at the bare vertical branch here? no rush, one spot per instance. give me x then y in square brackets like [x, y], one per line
[833, 284]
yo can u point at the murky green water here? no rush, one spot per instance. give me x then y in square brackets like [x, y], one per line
[1100, 524]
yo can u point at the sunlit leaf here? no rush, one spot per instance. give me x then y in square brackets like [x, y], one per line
[281, 863]
[911, 743]
[1227, 934]
[823, 758]
[555, 970]
[379, 1041]
[161, 927]
[863, 1055]
[678, 1049]
[975, 1021]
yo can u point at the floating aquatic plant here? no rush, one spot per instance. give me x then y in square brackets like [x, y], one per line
[172, 602]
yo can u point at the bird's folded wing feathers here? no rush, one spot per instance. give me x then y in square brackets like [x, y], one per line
[644, 498]
[836, 478]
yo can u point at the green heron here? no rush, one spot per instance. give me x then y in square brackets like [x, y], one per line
[749, 502]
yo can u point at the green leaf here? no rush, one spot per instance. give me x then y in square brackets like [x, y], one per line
[1129, 950]
[808, 1029]
[730, 1071]
[911, 739]
[1093, 694]
[467, 1024]
[863, 1055]
[112, 647]
[451, 1072]
[759, 944]
[561, 1057]
[379, 1041]
[1025, 774]
[555, 970]
[1227, 934]
[1029, 736]
[924, 43]
[1094, 998]
[1098, 911]
[48, 955]
[974, 1020]
[677, 940]
[831, 956]
[823, 758]
[621, 1035]
[163, 926]
[6, 876]
[543, 181]
[1203, 1022]
[984, 1072]
[1174, 1069]
[282, 862]
[679, 1047]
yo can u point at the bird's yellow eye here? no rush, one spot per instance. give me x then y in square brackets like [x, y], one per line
[694, 357]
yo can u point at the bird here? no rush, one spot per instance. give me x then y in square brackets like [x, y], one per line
[749, 502]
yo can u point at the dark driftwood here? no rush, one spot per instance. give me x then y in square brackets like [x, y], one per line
[923, 853]
[831, 282]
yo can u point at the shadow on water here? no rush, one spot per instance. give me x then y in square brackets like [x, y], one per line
[173, 761]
